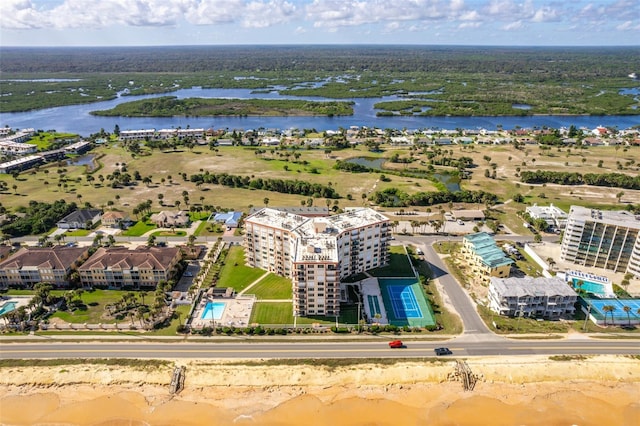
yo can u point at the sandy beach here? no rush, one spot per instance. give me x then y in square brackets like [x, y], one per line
[532, 390]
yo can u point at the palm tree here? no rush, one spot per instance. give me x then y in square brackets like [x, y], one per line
[627, 309]
[606, 309]
[579, 284]
[266, 201]
[551, 263]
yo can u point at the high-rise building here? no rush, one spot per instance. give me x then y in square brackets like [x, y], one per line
[602, 239]
[317, 252]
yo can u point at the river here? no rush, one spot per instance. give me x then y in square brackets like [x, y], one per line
[77, 118]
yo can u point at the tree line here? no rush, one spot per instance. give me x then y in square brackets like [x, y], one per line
[37, 218]
[285, 186]
[394, 197]
[617, 180]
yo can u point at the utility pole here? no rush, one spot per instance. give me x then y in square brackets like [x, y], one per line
[586, 318]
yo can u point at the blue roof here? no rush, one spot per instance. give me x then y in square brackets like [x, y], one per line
[485, 247]
[228, 217]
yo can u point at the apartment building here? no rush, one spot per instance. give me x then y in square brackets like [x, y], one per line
[32, 265]
[317, 252]
[120, 268]
[484, 257]
[540, 297]
[602, 239]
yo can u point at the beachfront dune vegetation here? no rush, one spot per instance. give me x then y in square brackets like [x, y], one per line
[170, 106]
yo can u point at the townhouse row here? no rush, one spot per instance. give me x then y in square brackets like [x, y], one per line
[107, 267]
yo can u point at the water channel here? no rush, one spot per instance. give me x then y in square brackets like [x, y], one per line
[77, 118]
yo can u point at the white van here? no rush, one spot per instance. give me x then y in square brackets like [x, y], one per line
[419, 251]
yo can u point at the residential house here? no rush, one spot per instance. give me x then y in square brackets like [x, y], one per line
[171, 219]
[539, 297]
[80, 219]
[484, 257]
[230, 219]
[121, 268]
[32, 265]
[554, 216]
[114, 219]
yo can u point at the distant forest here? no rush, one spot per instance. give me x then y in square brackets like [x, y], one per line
[551, 63]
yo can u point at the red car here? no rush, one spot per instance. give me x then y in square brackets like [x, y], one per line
[395, 344]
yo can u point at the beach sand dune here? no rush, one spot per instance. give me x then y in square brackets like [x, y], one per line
[523, 391]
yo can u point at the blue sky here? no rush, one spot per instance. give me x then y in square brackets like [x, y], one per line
[217, 22]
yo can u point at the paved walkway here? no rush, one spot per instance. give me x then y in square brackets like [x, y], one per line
[263, 276]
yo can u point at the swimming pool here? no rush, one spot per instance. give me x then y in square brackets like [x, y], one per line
[7, 307]
[599, 289]
[213, 311]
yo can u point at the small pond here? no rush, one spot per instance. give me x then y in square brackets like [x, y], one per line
[450, 182]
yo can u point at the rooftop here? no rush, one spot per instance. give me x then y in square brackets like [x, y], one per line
[485, 247]
[531, 286]
[618, 218]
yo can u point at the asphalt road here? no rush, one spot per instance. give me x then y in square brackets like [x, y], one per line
[347, 349]
[477, 339]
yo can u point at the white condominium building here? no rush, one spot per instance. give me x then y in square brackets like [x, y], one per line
[316, 253]
[602, 239]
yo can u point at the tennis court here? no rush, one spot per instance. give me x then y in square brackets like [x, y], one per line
[405, 302]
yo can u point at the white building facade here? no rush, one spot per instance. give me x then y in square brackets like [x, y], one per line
[316, 253]
[548, 298]
[554, 216]
[602, 239]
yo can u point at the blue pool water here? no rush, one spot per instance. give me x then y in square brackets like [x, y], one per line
[590, 287]
[7, 307]
[213, 310]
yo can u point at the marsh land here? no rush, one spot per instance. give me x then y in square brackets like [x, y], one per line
[431, 81]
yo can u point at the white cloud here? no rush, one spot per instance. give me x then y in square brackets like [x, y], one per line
[469, 25]
[628, 26]
[390, 16]
[260, 14]
[513, 26]
[545, 14]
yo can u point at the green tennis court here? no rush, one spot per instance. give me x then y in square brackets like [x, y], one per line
[405, 302]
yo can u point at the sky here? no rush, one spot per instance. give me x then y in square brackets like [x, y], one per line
[224, 22]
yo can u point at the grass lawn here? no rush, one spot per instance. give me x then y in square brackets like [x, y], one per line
[78, 233]
[235, 273]
[139, 229]
[282, 313]
[206, 229]
[179, 316]
[506, 325]
[169, 234]
[399, 265]
[95, 302]
[272, 287]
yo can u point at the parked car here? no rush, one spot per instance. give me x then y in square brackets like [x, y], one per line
[419, 251]
[396, 344]
[188, 274]
[442, 351]
[460, 222]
